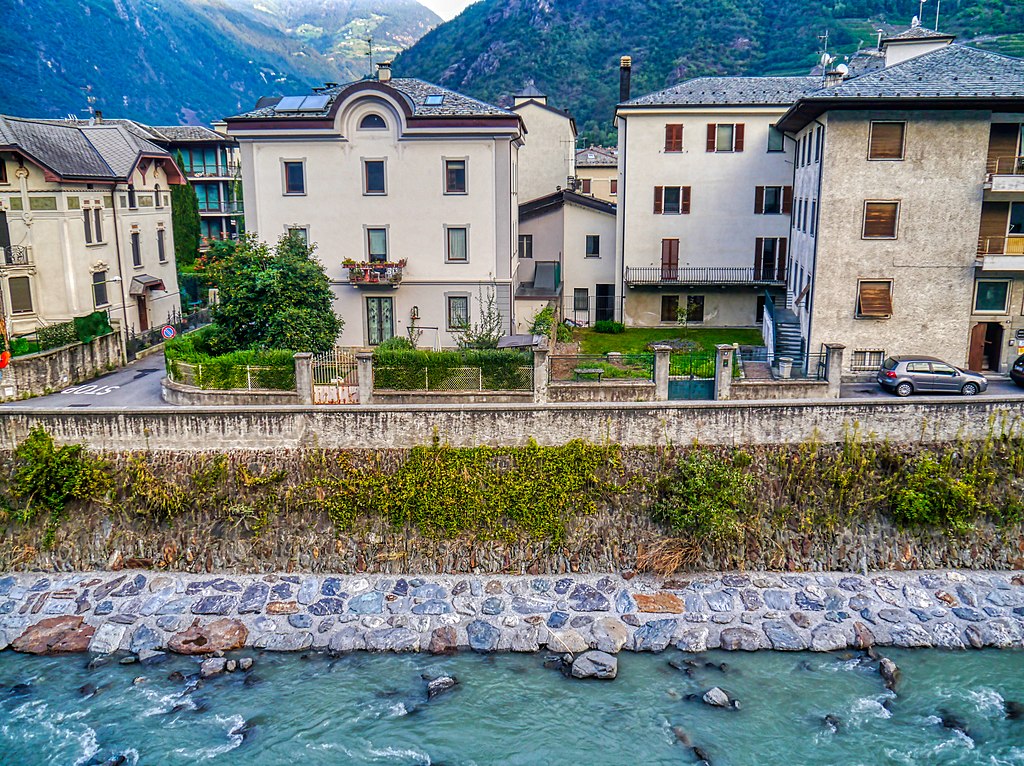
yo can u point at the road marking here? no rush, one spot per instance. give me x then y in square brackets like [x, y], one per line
[90, 390]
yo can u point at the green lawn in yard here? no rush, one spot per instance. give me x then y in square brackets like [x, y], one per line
[635, 340]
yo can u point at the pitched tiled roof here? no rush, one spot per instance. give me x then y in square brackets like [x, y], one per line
[917, 33]
[530, 91]
[184, 133]
[414, 92]
[102, 151]
[596, 156]
[758, 91]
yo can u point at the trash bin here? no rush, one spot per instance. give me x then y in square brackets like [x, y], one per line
[785, 367]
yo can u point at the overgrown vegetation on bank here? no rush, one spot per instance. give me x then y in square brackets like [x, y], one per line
[697, 496]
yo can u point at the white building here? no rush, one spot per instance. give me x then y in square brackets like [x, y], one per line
[704, 197]
[85, 224]
[547, 160]
[407, 189]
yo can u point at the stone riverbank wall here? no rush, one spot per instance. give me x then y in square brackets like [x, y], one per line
[630, 424]
[142, 613]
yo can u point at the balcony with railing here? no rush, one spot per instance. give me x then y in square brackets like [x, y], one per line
[1001, 253]
[1005, 174]
[657, 276]
[233, 207]
[219, 170]
[375, 273]
[16, 255]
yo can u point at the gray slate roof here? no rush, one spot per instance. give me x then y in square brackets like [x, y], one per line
[601, 157]
[917, 33]
[953, 71]
[102, 151]
[414, 92]
[530, 91]
[758, 91]
[188, 133]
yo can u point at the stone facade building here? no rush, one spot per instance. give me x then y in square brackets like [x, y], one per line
[85, 224]
[409, 191]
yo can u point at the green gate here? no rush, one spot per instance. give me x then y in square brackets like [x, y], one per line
[692, 375]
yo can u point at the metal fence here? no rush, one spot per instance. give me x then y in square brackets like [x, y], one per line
[137, 341]
[808, 366]
[217, 376]
[595, 368]
[335, 377]
[450, 379]
[696, 364]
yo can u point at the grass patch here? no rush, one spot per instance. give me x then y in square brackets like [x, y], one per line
[635, 339]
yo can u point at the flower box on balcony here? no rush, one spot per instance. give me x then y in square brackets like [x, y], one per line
[375, 273]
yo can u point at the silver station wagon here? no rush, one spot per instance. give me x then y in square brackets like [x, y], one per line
[906, 375]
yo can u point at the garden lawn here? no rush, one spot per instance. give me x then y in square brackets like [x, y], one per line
[635, 340]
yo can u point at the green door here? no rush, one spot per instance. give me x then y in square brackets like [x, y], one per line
[380, 320]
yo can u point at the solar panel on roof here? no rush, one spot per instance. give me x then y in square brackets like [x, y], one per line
[289, 104]
[314, 103]
[434, 99]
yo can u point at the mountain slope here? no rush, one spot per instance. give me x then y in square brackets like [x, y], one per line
[571, 48]
[170, 61]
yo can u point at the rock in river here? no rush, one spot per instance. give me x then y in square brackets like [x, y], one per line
[218, 636]
[55, 635]
[716, 696]
[595, 664]
[440, 685]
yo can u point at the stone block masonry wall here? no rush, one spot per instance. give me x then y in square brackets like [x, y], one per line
[36, 374]
[140, 612]
[630, 424]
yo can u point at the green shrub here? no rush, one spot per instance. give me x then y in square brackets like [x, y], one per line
[543, 321]
[609, 327]
[22, 346]
[92, 326]
[56, 335]
[227, 371]
[927, 492]
[564, 333]
[439, 370]
[703, 495]
[397, 343]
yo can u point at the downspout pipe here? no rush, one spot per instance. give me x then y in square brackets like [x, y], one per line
[120, 274]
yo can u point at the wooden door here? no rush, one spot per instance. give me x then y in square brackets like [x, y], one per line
[140, 303]
[669, 259]
[976, 352]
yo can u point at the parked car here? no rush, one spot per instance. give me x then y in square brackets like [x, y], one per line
[906, 375]
[1017, 371]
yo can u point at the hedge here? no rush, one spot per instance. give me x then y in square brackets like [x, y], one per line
[227, 371]
[413, 370]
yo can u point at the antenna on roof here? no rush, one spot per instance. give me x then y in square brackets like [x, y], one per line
[824, 59]
[369, 52]
[938, 4]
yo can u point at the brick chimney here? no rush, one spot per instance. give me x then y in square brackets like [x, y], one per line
[625, 69]
[384, 71]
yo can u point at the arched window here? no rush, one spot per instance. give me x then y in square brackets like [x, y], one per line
[372, 122]
[159, 200]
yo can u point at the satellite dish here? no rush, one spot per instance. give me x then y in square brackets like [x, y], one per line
[843, 69]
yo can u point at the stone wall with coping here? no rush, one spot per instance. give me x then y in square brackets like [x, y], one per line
[768, 390]
[144, 612]
[386, 397]
[190, 396]
[630, 424]
[57, 368]
[605, 391]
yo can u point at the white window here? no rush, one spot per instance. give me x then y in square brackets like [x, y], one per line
[457, 244]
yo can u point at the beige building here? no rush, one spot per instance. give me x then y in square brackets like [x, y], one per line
[566, 258]
[85, 224]
[407, 189]
[908, 224]
[597, 173]
[704, 198]
[547, 159]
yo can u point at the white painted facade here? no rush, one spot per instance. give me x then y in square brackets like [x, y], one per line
[548, 158]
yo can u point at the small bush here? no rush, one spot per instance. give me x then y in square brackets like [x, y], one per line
[397, 343]
[56, 335]
[93, 326]
[543, 321]
[928, 493]
[703, 495]
[227, 371]
[609, 327]
[564, 334]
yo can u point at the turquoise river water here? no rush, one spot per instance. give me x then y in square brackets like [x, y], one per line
[509, 709]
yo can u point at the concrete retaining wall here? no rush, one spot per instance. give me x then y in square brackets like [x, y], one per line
[384, 396]
[605, 391]
[47, 371]
[930, 419]
[764, 390]
[189, 396]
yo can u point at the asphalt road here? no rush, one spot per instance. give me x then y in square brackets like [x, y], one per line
[132, 387]
[997, 386]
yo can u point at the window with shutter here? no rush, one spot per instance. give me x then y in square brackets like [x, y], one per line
[880, 220]
[614, 187]
[738, 137]
[886, 140]
[874, 299]
[659, 196]
[672, 198]
[684, 200]
[787, 200]
[758, 200]
[673, 138]
[712, 134]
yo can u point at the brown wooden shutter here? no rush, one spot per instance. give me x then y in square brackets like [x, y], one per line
[1002, 146]
[586, 186]
[886, 141]
[780, 268]
[659, 195]
[758, 256]
[787, 200]
[738, 137]
[875, 299]
[684, 199]
[880, 220]
[992, 232]
[673, 138]
[712, 132]
[758, 200]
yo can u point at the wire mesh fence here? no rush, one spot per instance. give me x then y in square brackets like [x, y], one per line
[220, 376]
[595, 368]
[410, 378]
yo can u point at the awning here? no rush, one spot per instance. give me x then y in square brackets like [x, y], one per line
[520, 341]
[143, 282]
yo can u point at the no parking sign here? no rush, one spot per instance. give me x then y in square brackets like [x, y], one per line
[168, 332]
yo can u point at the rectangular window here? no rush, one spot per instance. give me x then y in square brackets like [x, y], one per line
[377, 245]
[671, 200]
[593, 246]
[880, 220]
[526, 246]
[581, 299]
[776, 139]
[99, 289]
[133, 201]
[991, 296]
[670, 308]
[673, 138]
[1016, 218]
[458, 312]
[886, 140]
[814, 215]
[21, 295]
[136, 249]
[3, 171]
[819, 142]
[614, 184]
[454, 177]
[724, 138]
[294, 177]
[373, 177]
[93, 219]
[867, 359]
[694, 308]
[161, 251]
[87, 218]
[458, 244]
[770, 200]
[585, 185]
[299, 232]
[874, 299]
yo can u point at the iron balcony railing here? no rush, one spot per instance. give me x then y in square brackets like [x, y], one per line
[15, 255]
[1006, 166]
[701, 275]
[230, 208]
[375, 273]
[223, 170]
[1001, 246]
